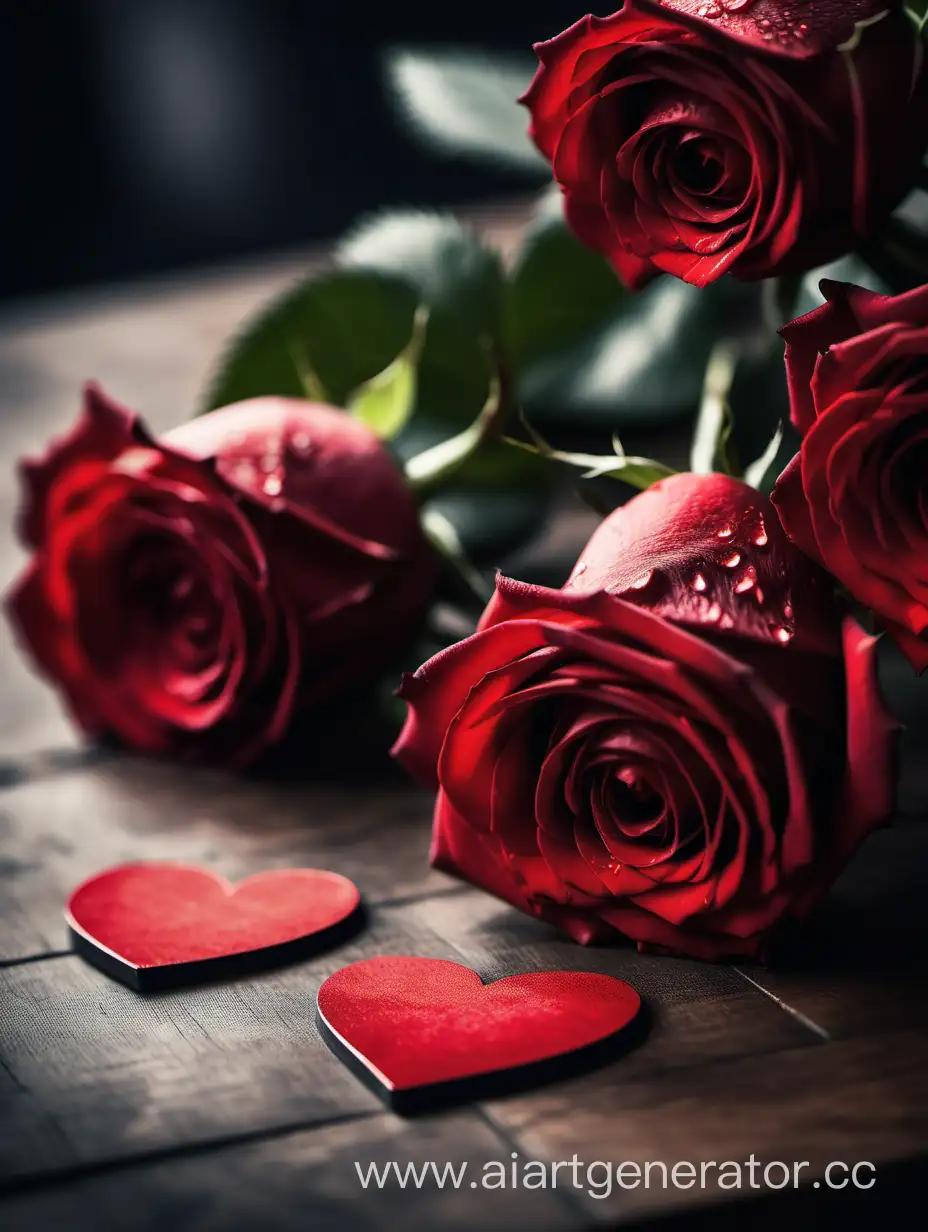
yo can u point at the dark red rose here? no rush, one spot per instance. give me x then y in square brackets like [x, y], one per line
[704, 136]
[684, 745]
[853, 498]
[190, 594]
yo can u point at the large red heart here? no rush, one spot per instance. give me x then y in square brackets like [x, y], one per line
[157, 925]
[422, 1031]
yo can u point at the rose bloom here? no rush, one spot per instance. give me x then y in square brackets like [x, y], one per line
[683, 746]
[853, 498]
[190, 595]
[704, 136]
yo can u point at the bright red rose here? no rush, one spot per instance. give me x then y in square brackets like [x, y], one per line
[190, 595]
[684, 745]
[853, 498]
[705, 136]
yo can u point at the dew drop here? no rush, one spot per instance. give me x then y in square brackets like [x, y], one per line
[301, 444]
[747, 581]
[733, 561]
[269, 463]
[726, 621]
[581, 569]
[643, 581]
[713, 612]
[788, 611]
[699, 583]
[761, 538]
[273, 485]
[783, 636]
[759, 595]
[725, 532]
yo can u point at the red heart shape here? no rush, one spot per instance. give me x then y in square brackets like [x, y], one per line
[422, 1031]
[158, 925]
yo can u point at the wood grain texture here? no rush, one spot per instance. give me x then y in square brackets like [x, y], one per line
[304, 1181]
[861, 1099]
[57, 831]
[858, 965]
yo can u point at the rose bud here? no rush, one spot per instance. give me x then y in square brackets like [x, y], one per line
[684, 745]
[191, 594]
[853, 498]
[704, 136]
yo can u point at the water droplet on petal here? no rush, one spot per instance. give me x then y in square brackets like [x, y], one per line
[759, 595]
[713, 612]
[643, 581]
[699, 583]
[783, 636]
[301, 444]
[747, 580]
[733, 561]
[726, 622]
[269, 463]
[788, 611]
[273, 485]
[725, 532]
[761, 538]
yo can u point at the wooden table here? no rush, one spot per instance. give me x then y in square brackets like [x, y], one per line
[219, 1107]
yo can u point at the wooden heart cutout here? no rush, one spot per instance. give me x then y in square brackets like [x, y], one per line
[423, 1032]
[157, 925]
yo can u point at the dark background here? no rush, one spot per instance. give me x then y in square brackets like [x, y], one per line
[141, 135]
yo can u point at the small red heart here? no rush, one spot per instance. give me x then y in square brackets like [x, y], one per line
[157, 925]
[423, 1031]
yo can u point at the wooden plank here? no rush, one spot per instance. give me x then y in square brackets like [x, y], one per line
[57, 831]
[854, 1100]
[100, 1073]
[304, 1181]
[858, 965]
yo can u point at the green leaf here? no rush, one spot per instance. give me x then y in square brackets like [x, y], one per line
[468, 584]
[464, 103]
[624, 358]
[322, 338]
[386, 402]
[461, 281]
[559, 289]
[757, 472]
[435, 466]
[713, 447]
[456, 274]
[638, 473]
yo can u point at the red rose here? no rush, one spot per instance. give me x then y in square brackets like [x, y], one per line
[853, 498]
[190, 594]
[683, 745]
[701, 136]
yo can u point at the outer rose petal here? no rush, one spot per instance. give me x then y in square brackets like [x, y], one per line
[829, 24]
[104, 430]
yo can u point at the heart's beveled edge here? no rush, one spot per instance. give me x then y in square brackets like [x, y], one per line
[205, 970]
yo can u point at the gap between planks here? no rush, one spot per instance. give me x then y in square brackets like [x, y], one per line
[803, 1019]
